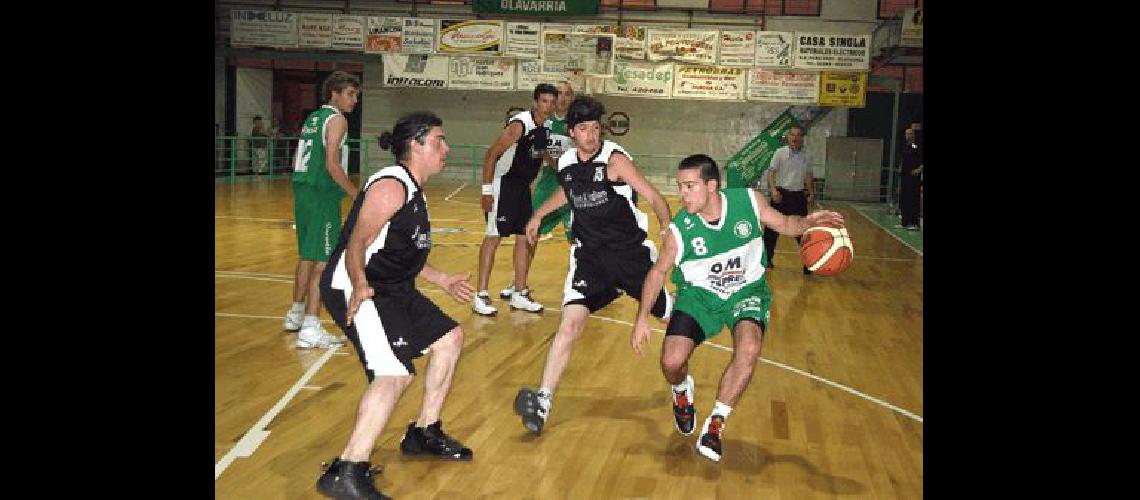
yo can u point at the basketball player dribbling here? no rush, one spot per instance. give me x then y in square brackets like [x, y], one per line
[716, 242]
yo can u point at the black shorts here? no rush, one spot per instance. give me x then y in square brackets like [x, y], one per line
[596, 276]
[392, 329]
[511, 208]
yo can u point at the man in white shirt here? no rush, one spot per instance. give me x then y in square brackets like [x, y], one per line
[790, 185]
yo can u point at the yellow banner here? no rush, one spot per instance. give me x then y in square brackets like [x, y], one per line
[843, 89]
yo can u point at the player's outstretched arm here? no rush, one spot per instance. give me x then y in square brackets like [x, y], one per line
[791, 225]
[556, 200]
[653, 285]
[626, 172]
[456, 285]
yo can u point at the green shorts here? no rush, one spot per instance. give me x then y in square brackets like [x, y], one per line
[712, 314]
[544, 188]
[317, 212]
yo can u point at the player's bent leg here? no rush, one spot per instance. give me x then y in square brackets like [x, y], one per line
[675, 353]
[534, 406]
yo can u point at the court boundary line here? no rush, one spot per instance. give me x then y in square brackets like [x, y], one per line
[252, 439]
[453, 193]
[885, 230]
[789, 368]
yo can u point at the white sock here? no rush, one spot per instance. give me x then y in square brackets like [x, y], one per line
[311, 320]
[297, 307]
[683, 386]
[722, 410]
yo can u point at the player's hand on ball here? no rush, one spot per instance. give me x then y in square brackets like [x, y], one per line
[827, 216]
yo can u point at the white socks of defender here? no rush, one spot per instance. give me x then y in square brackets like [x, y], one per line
[298, 307]
[545, 398]
[311, 321]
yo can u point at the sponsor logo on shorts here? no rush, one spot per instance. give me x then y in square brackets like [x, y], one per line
[400, 342]
[750, 304]
[580, 284]
[502, 218]
[328, 241]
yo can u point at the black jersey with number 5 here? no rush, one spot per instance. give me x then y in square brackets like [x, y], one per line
[604, 213]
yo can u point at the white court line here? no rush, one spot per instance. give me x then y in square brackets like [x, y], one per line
[257, 434]
[458, 189]
[258, 278]
[885, 230]
[465, 203]
[789, 368]
[251, 218]
[251, 273]
[253, 316]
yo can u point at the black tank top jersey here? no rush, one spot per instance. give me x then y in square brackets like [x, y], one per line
[524, 158]
[401, 249]
[604, 213]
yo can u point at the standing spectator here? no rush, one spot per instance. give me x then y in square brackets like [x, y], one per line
[259, 145]
[910, 173]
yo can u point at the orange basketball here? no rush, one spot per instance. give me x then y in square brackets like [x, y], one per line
[826, 249]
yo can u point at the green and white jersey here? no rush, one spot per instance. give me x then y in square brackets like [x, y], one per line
[558, 140]
[309, 165]
[723, 259]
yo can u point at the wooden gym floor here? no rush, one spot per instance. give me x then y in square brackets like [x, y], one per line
[834, 409]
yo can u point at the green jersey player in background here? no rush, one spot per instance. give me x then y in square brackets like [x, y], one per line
[716, 243]
[320, 180]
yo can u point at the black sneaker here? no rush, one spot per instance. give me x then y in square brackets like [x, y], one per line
[709, 442]
[807, 272]
[684, 414]
[349, 481]
[431, 440]
[533, 413]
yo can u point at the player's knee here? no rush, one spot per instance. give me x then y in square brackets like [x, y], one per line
[570, 330]
[672, 363]
[451, 343]
[397, 382]
[748, 349]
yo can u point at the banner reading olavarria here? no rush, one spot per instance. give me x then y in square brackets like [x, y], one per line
[843, 89]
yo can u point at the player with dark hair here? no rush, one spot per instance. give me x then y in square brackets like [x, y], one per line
[715, 241]
[509, 168]
[370, 290]
[611, 250]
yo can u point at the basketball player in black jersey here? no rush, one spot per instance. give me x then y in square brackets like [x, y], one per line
[369, 289]
[610, 249]
[509, 170]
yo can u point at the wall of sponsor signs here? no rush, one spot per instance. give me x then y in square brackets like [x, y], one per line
[812, 68]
